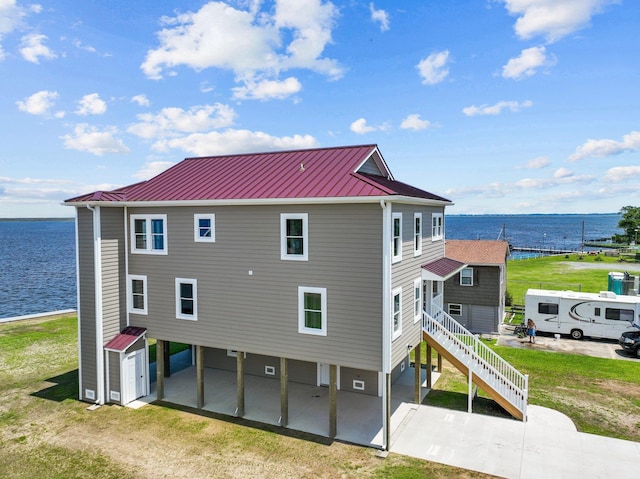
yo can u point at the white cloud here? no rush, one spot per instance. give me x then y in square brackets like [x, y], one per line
[152, 168]
[360, 127]
[537, 163]
[433, 69]
[91, 104]
[526, 64]
[267, 89]
[379, 16]
[251, 43]
[618, 174]
[39, 103]
[140, 100]
[563, 173]
[604, 148]
[414, 122]
[88, 48]
[553, 19]
[173, 121]
[235, 141]
[496, 109]
[10, 17]
[32, 48]
[90, 139]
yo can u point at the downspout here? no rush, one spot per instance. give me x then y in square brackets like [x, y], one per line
[386, 323]
[78, 308]
[97, 265]
[126, 262]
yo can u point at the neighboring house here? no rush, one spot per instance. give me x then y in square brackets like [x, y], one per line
[309, 266]
[475, 297]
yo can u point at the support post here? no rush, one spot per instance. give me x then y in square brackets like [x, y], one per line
[417, 366]
[470, 398]
[429, 366]
[387, 419]
[333, 400]
[284, 392]
[439, 369]
[200, 375]
[159, 370]
[240, 385]
[167, 358]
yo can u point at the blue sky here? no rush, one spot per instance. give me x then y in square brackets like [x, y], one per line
[502, 106]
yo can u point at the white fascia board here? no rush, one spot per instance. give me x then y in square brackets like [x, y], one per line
[270, 201]
[384, 168]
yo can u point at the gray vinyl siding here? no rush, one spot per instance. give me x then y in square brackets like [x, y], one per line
[405, 272]
[114, 376]
[86, 300]
[113, 272]
[248, 296]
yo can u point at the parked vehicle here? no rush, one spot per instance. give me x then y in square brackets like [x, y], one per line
[603, 315]
[630, 342]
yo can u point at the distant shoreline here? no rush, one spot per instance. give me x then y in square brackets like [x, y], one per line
[70, 218]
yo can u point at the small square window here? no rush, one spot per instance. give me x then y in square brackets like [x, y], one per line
[466, 277]
[204, 228]
[455, 309]
[149, 234]
[294, 237]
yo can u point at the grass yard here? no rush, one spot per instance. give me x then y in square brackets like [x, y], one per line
[46, 433]
[552, 272]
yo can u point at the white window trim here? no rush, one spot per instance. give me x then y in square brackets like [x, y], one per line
[396, 334]
[417, 285]
[148, 249]
[179, 314]
[130, 301]
[396, 258]
[305, 236]
[437, 227]
[463, 276]
[455, 305]
[302, 329]
[196, 228]
[417, 235]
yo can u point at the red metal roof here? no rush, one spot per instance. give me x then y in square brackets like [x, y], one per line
[313, 173]
[126, 338]
[443, 268]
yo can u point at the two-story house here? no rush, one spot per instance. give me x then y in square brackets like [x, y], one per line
[310, 266]
[475, 297]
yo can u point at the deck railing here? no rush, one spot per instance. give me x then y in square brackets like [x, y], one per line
[512, 384]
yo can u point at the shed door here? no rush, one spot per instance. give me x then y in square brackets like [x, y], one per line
[135, 381]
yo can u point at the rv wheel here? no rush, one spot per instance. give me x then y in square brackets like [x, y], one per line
[576, 334]
[638, 352]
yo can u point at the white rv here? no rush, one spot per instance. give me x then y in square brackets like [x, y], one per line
[604, 315]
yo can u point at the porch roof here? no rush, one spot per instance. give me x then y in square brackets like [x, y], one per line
[126, 338]
[441, 269]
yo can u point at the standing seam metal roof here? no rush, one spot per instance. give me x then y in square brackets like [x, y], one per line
[313, 173]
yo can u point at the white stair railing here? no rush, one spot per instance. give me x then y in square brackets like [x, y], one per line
[482, 361]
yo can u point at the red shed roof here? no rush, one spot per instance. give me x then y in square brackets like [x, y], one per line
[126, 338]
[441, 269]
[340, 172]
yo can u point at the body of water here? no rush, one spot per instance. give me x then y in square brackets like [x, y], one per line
[37, 258]
[37, 267]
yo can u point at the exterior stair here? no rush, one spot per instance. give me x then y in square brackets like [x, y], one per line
[501, 381]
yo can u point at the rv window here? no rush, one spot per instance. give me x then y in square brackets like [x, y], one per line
[548, 308]
[596, 311]
[618, 314]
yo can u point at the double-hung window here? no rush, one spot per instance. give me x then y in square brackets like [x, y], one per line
[312, 311]
[417, 300]
[437, 226]
[396, 313]
[204, 228]
[137, 294]
[149, 234]
[466, 277]
[187, 299]
[294, 236]
[396, 234]
[417, 234]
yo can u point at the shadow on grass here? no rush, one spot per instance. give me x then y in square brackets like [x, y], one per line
[283, 431]
[65, 387]
[459, 402]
